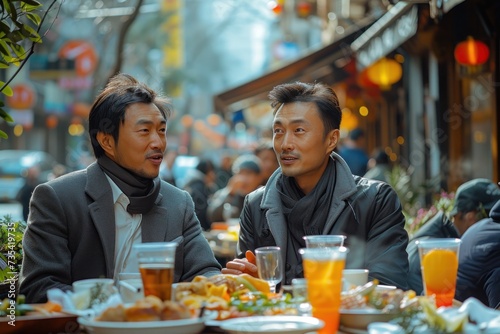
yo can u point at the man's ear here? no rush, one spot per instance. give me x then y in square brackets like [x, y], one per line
[106, 141]
[333, 139]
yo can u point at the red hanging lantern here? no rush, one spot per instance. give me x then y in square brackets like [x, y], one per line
[304, 8]
[471, 52]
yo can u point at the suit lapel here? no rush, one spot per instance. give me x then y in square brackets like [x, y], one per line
[278, 227]
[102, 213]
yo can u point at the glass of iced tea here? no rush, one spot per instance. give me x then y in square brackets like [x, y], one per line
[156, 265]
[323, 271]
[315, 241]
[439, 264]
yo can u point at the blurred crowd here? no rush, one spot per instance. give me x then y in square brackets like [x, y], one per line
[218, 188]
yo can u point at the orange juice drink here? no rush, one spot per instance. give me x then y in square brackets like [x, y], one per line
[439, 264]
[323, 271]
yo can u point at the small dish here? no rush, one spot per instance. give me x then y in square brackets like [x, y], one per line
[359, 319]
[272, 324]
[185, 326]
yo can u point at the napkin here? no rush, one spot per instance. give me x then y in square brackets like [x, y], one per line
[79, 303]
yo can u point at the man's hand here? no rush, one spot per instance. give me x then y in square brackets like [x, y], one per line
[240, 266]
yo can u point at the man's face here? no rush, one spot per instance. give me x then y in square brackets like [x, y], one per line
[301, 147]
[141, 142]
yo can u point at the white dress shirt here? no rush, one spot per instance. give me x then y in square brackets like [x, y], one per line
[127, 233]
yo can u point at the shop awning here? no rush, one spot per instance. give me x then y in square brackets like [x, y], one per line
[393, 29]
[325, 62]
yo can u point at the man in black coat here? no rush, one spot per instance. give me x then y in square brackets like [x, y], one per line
[479, 261]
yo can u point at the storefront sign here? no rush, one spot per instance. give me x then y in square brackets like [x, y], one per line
[389, 32]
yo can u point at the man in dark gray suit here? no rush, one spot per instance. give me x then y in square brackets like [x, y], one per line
[84, 224]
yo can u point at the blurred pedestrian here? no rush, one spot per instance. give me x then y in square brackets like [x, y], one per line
[353, 152]
[268, 161]
[246, 178]
[31, 180]
[201, 185]
[84, 224]
[473, 202]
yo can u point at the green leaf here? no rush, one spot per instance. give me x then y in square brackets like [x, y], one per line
[4, 48]
[5, 115]
[16, 36]
[33, 3]
[7, 90]
[3, 135]
[11, 9]
[35, 18]
[29, 31]
[18, 50]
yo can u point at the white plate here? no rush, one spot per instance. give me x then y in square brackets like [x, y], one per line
[272, 324]
[186, 326]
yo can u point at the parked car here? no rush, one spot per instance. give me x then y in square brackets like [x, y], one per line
[14, 163]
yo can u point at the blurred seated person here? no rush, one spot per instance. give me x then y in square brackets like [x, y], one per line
[353, 153]
[246, 178]
[31, 180]
[473, 202]
[268, 161]
[479, 261]
[201, 185]
[379, 166]
[223, 173]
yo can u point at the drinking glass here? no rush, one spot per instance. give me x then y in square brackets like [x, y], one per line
[156, 265]
[270, 265]
[323, 271]
[314, 241]
[130, 287]
[299, 292]
[439, 265]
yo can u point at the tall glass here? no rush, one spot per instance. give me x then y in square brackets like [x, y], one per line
[323, 271]
[156, 265]
[439, 265]
[270, 265]
[334, 240]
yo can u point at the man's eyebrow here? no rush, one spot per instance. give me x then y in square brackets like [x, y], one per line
[144, 121]
[293, 121]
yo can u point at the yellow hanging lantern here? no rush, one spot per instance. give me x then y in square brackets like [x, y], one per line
[385, 72]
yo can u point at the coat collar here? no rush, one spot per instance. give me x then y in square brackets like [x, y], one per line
[345, 187]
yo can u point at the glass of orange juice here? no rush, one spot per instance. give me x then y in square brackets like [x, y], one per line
[323, 271]
[156, 265]
[439, 264]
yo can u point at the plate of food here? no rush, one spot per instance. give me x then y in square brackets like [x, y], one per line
[36, 318]
[149, 315]
[272, 324]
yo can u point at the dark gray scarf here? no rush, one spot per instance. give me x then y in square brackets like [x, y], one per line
[305, 214]
[141, 191]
